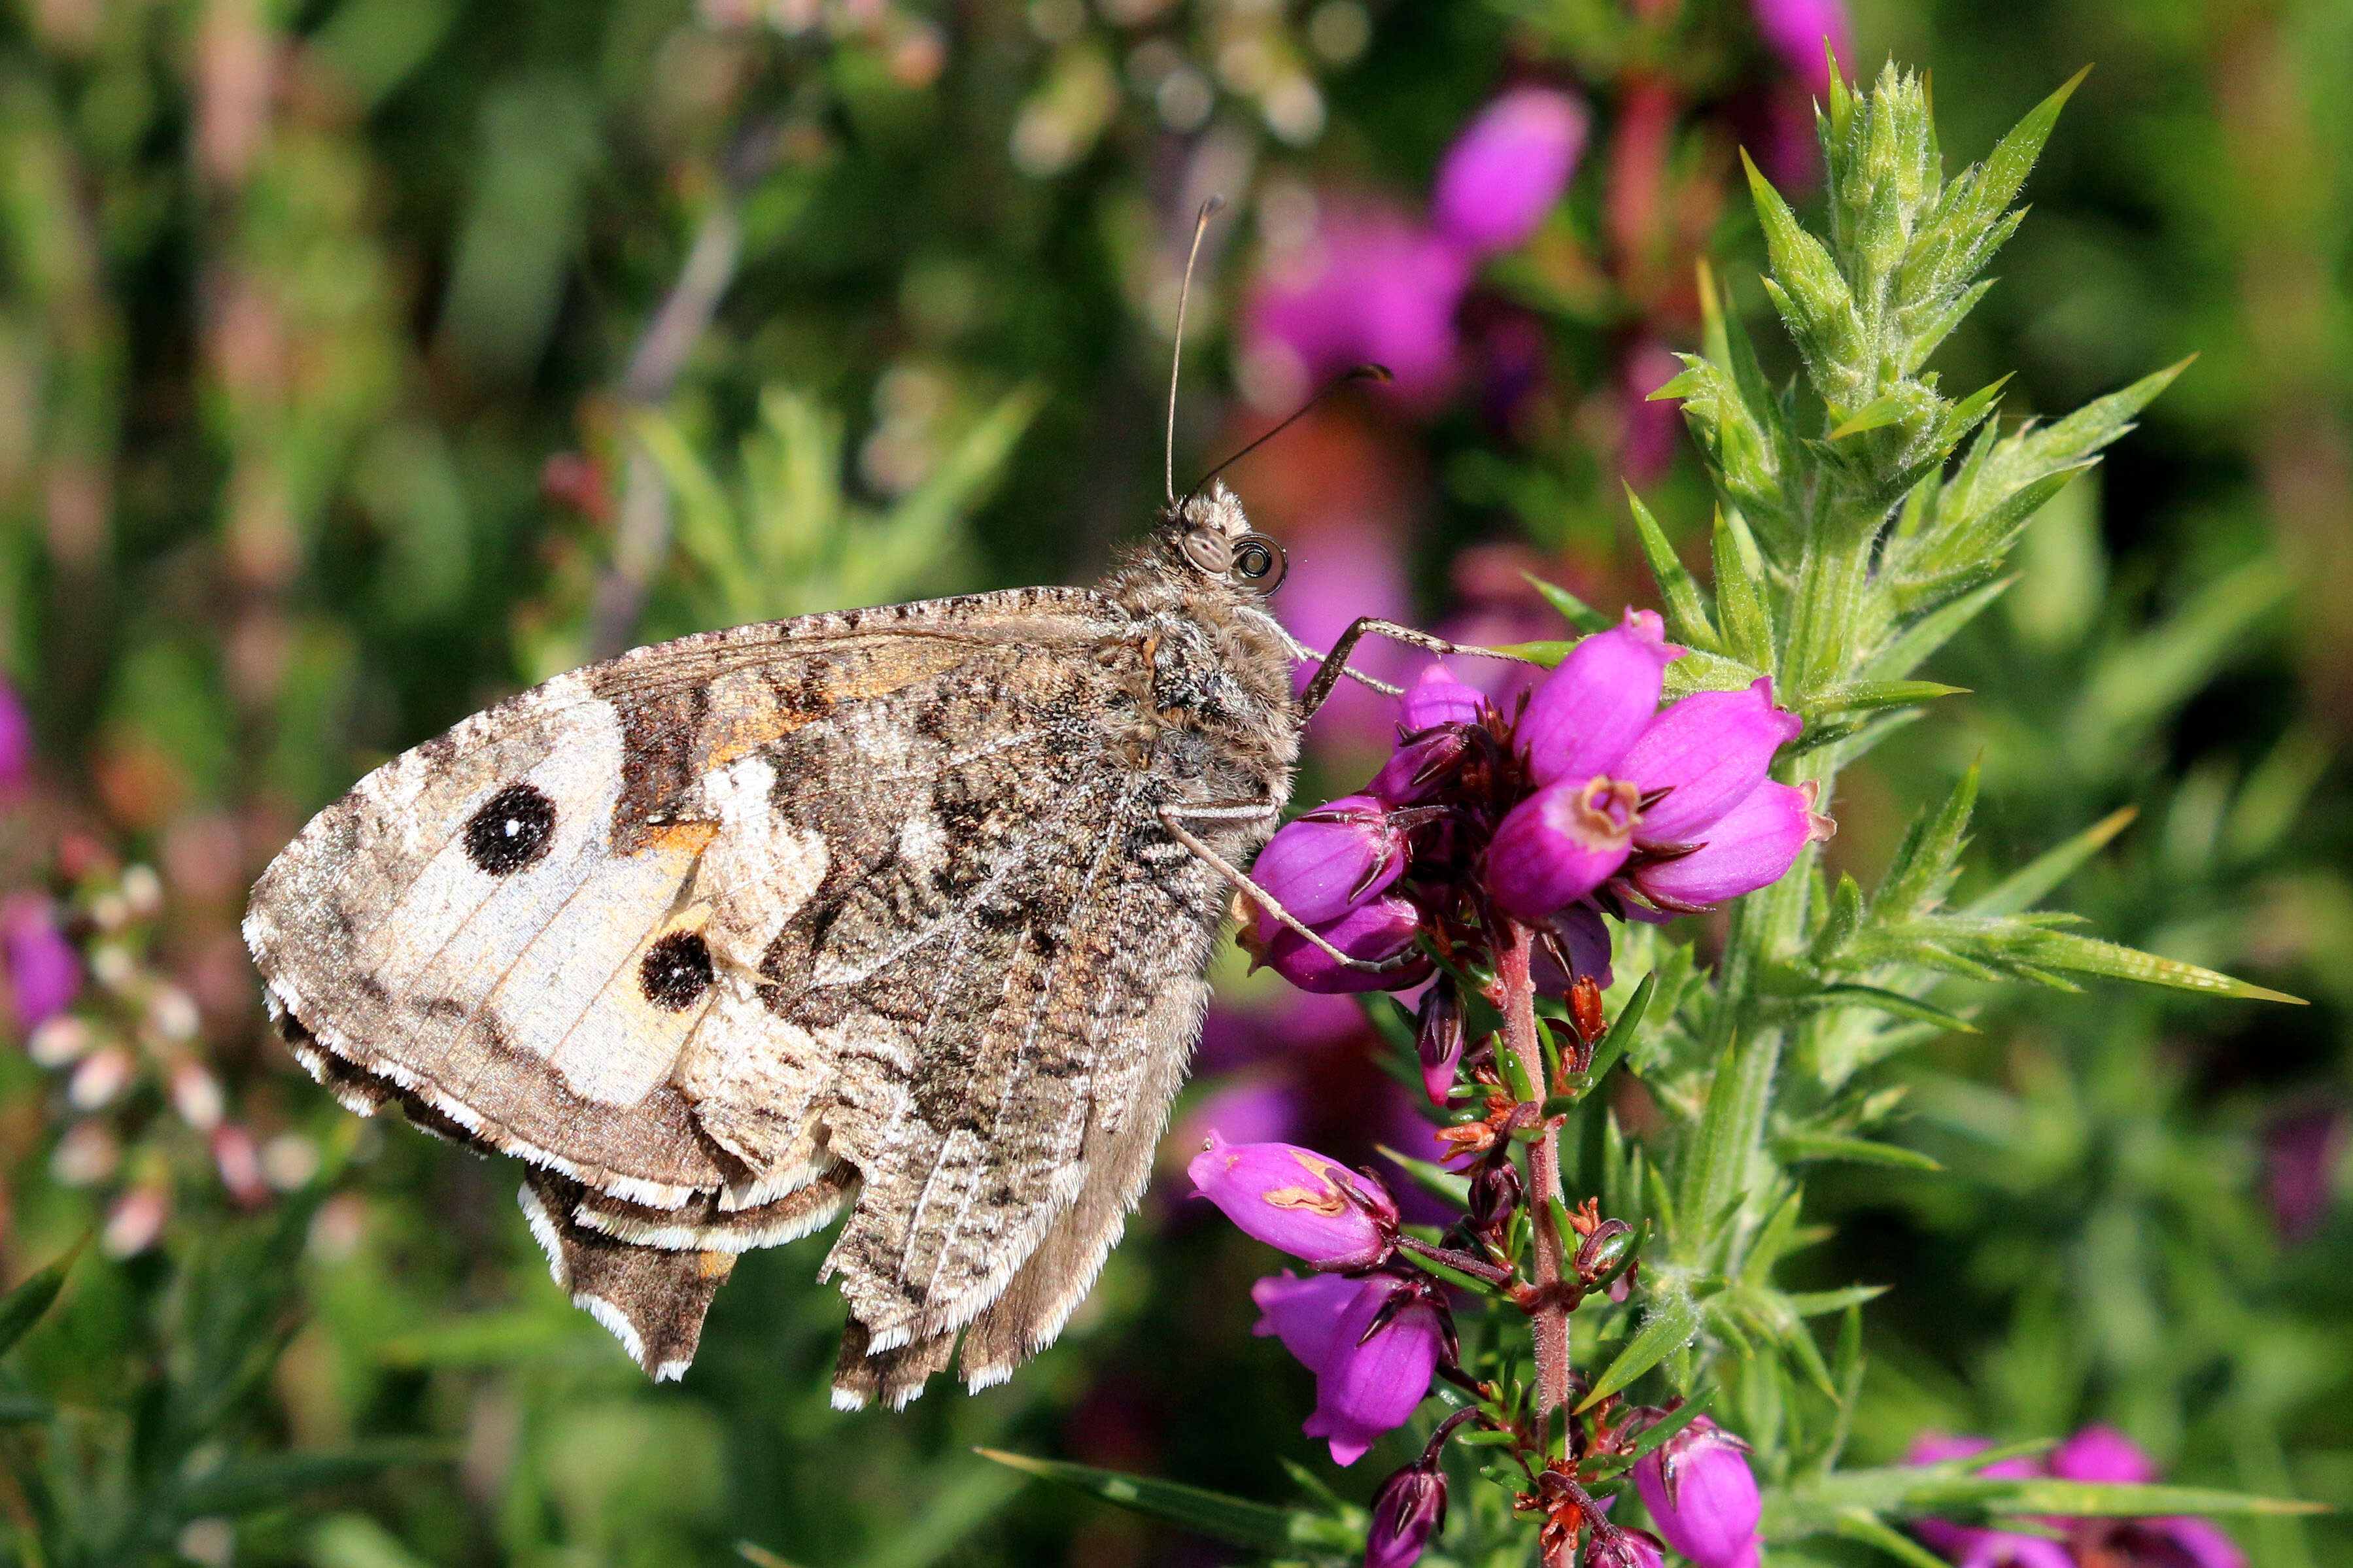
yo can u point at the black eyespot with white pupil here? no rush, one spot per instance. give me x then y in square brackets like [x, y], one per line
[512, 831]
[676, 972]
[1258, 561]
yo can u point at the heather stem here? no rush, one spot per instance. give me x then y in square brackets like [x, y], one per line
[1515, 994]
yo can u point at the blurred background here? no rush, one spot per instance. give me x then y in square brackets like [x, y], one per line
[365, 361]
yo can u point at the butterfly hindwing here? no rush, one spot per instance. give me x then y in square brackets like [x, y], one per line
[732, 931]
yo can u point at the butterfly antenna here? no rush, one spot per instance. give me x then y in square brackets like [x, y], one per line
[1376, 373]
[1177, 353]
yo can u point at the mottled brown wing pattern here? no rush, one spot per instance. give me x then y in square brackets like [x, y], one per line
[730, 931]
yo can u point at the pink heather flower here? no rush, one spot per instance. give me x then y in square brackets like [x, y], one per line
[2302, 1149]
[1507, 168]
[1333, 859]
[1378, 929]
[1408, 1510]
[2104, 1454]
[1708, 752]
[1373, 286]
[1560, 844]
[1701, 1496]
[1750, 846]
[1715, 827]
[16, 738]
[1296, 1199]
[1372, 1358]
[44, 974]
[1598, 701]
[1972, 1546]
[1798, 30]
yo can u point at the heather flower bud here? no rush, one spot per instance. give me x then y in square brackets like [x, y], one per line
[1437, 1037]
[1494, 1197]
[1560, 844]
[1438, 698]
[1602, 1250]
[1380, 928]
[1408, 1510]
[1700, 1495]
[1614, 1548]
[1332, 859]
[1416, 770]
[1588, 710]
[1296, 1199]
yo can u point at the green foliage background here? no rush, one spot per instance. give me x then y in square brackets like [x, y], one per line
[336, 388]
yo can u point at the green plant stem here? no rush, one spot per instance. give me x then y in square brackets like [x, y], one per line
[1515, 993]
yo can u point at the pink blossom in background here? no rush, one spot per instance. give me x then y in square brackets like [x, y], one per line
[1373, 286]
[1507, 168]
[2302, 1150]
[1343, 568]
[2097, 1453]
[44, 974]
[16, 738]
[1972, 1545]
[1646, 441]
[1797, 29]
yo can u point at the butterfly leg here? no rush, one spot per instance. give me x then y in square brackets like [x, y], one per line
[1173, 817]
[1335, 663]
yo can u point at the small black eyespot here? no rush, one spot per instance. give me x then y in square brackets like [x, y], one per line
[512, 831]
[676, 972]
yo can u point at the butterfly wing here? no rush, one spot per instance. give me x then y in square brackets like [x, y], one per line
[719, 934]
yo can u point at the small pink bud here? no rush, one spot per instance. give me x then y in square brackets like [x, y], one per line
[1438, 698]
[1408, 1510]
[1437, 1037]
[1296, 1199]
[1380, 928]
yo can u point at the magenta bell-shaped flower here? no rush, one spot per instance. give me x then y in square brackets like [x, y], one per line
[1293, 1198]
[1700, 1495]
[1750, 846]
[1381, 928]
[1599, 699]
[1408, 1510]
[1706, 752]
[1560, 844]
[1372, 1353]
[1507, 168]
[1322, 865]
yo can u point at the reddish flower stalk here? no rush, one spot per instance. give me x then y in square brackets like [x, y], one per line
[1515, 993]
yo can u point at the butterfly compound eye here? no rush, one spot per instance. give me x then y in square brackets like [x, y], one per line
[1258, 561]
[1209, 551]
